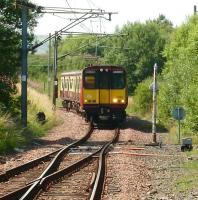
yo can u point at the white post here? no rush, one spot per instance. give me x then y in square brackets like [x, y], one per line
[154, 114]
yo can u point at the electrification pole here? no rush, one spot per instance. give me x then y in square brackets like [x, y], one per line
[154, 114]
[195, 9]
[24, 66]
[55, 83]
[49, 65]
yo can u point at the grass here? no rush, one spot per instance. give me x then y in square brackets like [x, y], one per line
[39, 103]
[129, 108]
[12, 135]
[189, 179]
[172, 137]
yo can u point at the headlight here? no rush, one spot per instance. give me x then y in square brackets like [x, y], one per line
[115, 100]
[85, 101]
[122, 101]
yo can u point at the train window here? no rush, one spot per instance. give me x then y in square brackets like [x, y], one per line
[118, 80]
[62, 85]
[78, 84]
[104, 81]
[67, 84]
[71, 84]
[90, 81]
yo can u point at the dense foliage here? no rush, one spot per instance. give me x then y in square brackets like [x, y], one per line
[79, 51]
[139, 48]
[10, 45]
[180, 77]
[142, 100]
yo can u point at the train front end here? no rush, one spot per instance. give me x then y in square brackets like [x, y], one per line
[104, 93]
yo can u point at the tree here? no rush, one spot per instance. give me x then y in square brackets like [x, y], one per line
[180, 75]
[10, 46]
[140, 47]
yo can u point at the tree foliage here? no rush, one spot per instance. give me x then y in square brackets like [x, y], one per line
[139, 48]
[180, 76]
[10, 45]
[142, 99]
[80, 51]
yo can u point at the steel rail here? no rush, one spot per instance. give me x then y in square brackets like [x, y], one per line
[43, 184]
[52, 167]
[99, 181]
[5, 176]
[98, 186]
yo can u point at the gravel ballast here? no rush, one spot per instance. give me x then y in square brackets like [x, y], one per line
[134, 170]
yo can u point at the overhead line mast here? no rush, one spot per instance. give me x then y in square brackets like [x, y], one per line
[24, 66]
[86, 14]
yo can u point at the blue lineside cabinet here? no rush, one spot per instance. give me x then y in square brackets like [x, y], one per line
[186, 144]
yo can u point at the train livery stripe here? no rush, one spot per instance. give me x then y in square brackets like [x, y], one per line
[104, 96]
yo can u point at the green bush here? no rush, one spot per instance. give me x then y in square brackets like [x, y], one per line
[179, 87]
[12, 135]
[142, 100]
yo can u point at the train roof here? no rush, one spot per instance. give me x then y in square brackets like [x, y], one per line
[104, 66]
[74, 73]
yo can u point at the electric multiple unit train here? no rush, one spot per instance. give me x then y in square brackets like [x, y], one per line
[100, 92]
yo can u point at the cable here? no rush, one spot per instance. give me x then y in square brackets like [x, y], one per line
[76, 50]
[57, 16]
[100, 19]
[93, 4]
[82, 25]
[71, 25]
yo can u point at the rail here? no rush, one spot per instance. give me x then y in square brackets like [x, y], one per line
[24, 192]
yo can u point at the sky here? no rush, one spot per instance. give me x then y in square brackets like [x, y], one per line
[128, 11]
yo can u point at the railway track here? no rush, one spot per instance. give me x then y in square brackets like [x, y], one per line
[15, 182]
[81, 180]
[85, 183]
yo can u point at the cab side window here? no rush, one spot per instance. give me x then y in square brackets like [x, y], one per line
[89, 81]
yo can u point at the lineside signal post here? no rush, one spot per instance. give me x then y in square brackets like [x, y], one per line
[24, 67]
[55, 84]
[154, 114]
[178, 113]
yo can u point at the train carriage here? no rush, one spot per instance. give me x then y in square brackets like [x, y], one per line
[99, 91]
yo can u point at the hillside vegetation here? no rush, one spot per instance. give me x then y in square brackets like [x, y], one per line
[178, 80]
[180, 75]
[12, 135]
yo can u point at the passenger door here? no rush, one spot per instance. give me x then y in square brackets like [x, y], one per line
[104, 86]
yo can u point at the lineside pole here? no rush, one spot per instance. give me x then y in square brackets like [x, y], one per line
[195, 9]
[154, 103]
[24, 66]
[55, 83]
[49, 65]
